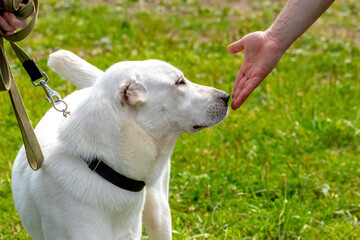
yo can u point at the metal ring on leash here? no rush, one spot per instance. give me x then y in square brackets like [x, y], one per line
[64, 110]
[51, 95]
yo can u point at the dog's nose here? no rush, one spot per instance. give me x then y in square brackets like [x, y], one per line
[225, 97]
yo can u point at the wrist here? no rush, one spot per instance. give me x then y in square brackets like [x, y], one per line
[282, 44]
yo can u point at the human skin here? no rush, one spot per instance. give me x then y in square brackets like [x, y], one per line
[9, 23]
[263, 49]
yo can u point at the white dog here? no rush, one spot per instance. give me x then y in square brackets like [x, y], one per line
[123, 124]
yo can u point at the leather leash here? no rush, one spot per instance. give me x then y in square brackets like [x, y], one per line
[7, 83]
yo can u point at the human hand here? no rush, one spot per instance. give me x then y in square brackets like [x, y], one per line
[261, 54]
[9, 22]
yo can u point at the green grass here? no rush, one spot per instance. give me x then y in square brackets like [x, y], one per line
[286, 165]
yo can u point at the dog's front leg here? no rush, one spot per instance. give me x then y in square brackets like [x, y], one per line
[156, 214]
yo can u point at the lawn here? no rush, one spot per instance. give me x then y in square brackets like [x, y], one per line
[286, 165]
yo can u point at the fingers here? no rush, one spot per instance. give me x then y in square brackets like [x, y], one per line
[13, 21]
[238, 79]
[238, 92]
[9, 23]
[239, 84]
[4, 25]
[244, 88]
[236, 47]
[33, 13]
[240, 97]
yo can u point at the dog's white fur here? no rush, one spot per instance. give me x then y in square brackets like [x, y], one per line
[129, 117]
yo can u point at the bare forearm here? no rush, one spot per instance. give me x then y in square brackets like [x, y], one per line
[295, 18]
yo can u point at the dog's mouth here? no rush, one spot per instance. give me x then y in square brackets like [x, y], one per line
[199, 127]
[215, 118]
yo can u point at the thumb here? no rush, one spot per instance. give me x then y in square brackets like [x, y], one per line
[236, 47]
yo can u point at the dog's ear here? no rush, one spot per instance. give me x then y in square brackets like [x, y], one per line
[133, 93]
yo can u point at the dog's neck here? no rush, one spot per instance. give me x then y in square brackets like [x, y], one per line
[92, 131]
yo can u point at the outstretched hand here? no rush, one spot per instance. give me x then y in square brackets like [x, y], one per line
[261, 54]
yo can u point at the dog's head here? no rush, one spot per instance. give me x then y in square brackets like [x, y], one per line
[161, 100]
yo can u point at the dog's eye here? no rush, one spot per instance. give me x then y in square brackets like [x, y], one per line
[180, 81]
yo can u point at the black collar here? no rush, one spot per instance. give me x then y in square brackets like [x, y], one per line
[114, 177]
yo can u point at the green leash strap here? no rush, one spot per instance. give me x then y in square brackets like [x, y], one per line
[32, 147]
[4, 69]
[7, 83]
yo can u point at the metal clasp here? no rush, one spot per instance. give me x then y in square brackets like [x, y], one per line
[52, 96]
